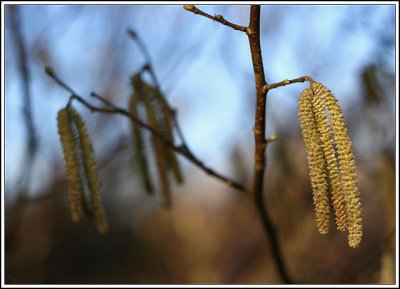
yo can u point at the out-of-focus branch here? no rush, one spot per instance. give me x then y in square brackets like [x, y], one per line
[113, 109]
[22, 59]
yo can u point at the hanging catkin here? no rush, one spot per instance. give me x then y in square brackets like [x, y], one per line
[346, 165]
[91, 172]
[330, 161]
[316, 160]
[156, 113]
[70, 152]
[81, 167]
[139, 143]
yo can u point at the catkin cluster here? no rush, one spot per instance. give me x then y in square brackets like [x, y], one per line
[147, 102]
[81, 169]
[330, 161]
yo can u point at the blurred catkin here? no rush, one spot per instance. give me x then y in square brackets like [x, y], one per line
[80, 166]
[91, 173]
[330, 161]
[157, 114]
[139, 143]
[70, 152]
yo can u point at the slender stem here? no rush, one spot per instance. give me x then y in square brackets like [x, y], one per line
[143, 49]
[287, 82]
[253, 33]
[113, 109]
[217, 18]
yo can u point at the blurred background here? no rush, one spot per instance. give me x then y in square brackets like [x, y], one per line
[212, 234]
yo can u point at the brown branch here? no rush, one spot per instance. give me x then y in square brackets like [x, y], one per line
[253, 33]
[217, 18]
[287, 82]
[262, 88]
[113, 109]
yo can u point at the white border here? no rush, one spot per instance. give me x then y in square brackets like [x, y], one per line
[336, 3]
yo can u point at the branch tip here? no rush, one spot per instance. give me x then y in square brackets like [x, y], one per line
[49, 71]
[189, 7]
[132, 33]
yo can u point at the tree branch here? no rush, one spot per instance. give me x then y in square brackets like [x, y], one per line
[217, 18]
[262, 88]
[268, 87]
[113, 109]
[22, 59]
[253, 33]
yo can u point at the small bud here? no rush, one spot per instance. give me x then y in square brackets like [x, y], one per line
[189, 7]
[272, 138]
[49, 71]
[132, 33]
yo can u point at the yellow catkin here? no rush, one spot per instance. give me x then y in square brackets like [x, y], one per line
[161, 109]
[347, 166]
[158, 149]
[138, 143]
[325, 133]
[316, 161]
[167, 122]
[69, 146]
[91, 172]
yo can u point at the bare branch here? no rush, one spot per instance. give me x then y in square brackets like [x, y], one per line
[253, 33]
[268, 87]
[217, 18]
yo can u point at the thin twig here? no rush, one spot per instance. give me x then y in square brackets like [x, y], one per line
[217, 18]
[287, 82]
[113, 109]
[143, 49]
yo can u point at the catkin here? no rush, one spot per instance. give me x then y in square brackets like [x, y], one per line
[70, 152]
[325, 133]
[347, 166]
[81, 167]
[159, 151]
[316, 161]
[91, 173]
[167, 121]
[138, 143]
[330, 161]
[159, 117]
